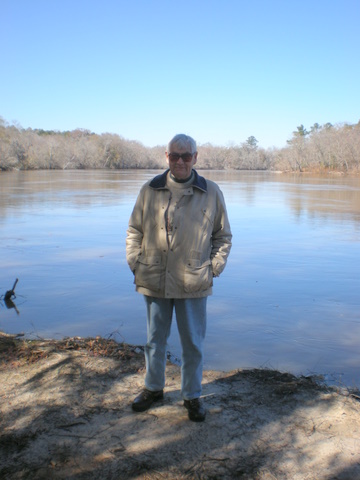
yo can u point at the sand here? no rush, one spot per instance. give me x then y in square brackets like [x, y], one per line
[65, 413]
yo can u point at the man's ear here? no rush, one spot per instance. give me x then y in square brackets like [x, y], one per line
[195, 157]
[167, 158]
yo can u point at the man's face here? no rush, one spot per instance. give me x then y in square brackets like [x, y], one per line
[180, 167]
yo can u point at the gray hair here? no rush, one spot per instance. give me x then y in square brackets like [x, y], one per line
[183, 141]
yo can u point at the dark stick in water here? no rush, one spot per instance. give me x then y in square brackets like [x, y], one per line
[10, 293]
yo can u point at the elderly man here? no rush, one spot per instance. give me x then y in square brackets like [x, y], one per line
[178, 239]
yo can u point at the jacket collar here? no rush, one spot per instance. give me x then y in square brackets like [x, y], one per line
[159, 181]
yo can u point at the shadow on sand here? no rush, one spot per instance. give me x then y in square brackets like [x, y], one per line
[66, 414]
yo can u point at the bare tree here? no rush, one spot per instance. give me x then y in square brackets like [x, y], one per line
[322, 148]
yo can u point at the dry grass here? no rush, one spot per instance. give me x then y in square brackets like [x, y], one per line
[17, 351]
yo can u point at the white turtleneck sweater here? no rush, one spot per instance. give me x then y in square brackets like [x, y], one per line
[177, 190]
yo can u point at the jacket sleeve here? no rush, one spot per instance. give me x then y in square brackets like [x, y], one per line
[134, 234]
[221, 237]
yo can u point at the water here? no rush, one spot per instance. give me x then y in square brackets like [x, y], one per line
[288, 299]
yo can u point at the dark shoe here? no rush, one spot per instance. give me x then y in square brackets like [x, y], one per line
[146, 398]
[196, 410]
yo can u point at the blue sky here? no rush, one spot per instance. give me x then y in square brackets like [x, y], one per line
[219, 71]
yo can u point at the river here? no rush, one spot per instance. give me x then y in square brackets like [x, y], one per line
[288, 298]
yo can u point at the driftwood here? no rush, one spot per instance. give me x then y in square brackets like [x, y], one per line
[11, 292]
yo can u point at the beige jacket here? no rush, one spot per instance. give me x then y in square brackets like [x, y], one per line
[199, 246]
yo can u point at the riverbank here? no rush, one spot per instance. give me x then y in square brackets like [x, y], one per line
[66, 414]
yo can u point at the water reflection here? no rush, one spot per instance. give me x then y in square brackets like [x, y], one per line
[288, 298]
[10, 303]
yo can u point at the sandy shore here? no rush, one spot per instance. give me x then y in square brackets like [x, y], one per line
[66, 414]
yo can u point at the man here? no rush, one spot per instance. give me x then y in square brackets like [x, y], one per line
[178, 239]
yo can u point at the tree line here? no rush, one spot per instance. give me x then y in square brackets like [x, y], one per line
[321, 148]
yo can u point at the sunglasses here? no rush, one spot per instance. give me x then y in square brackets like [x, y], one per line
[187, 157]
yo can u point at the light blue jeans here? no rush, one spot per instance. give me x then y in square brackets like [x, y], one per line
[191, 323]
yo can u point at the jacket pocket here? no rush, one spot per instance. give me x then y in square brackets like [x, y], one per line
[197, 276]
[148, 272]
